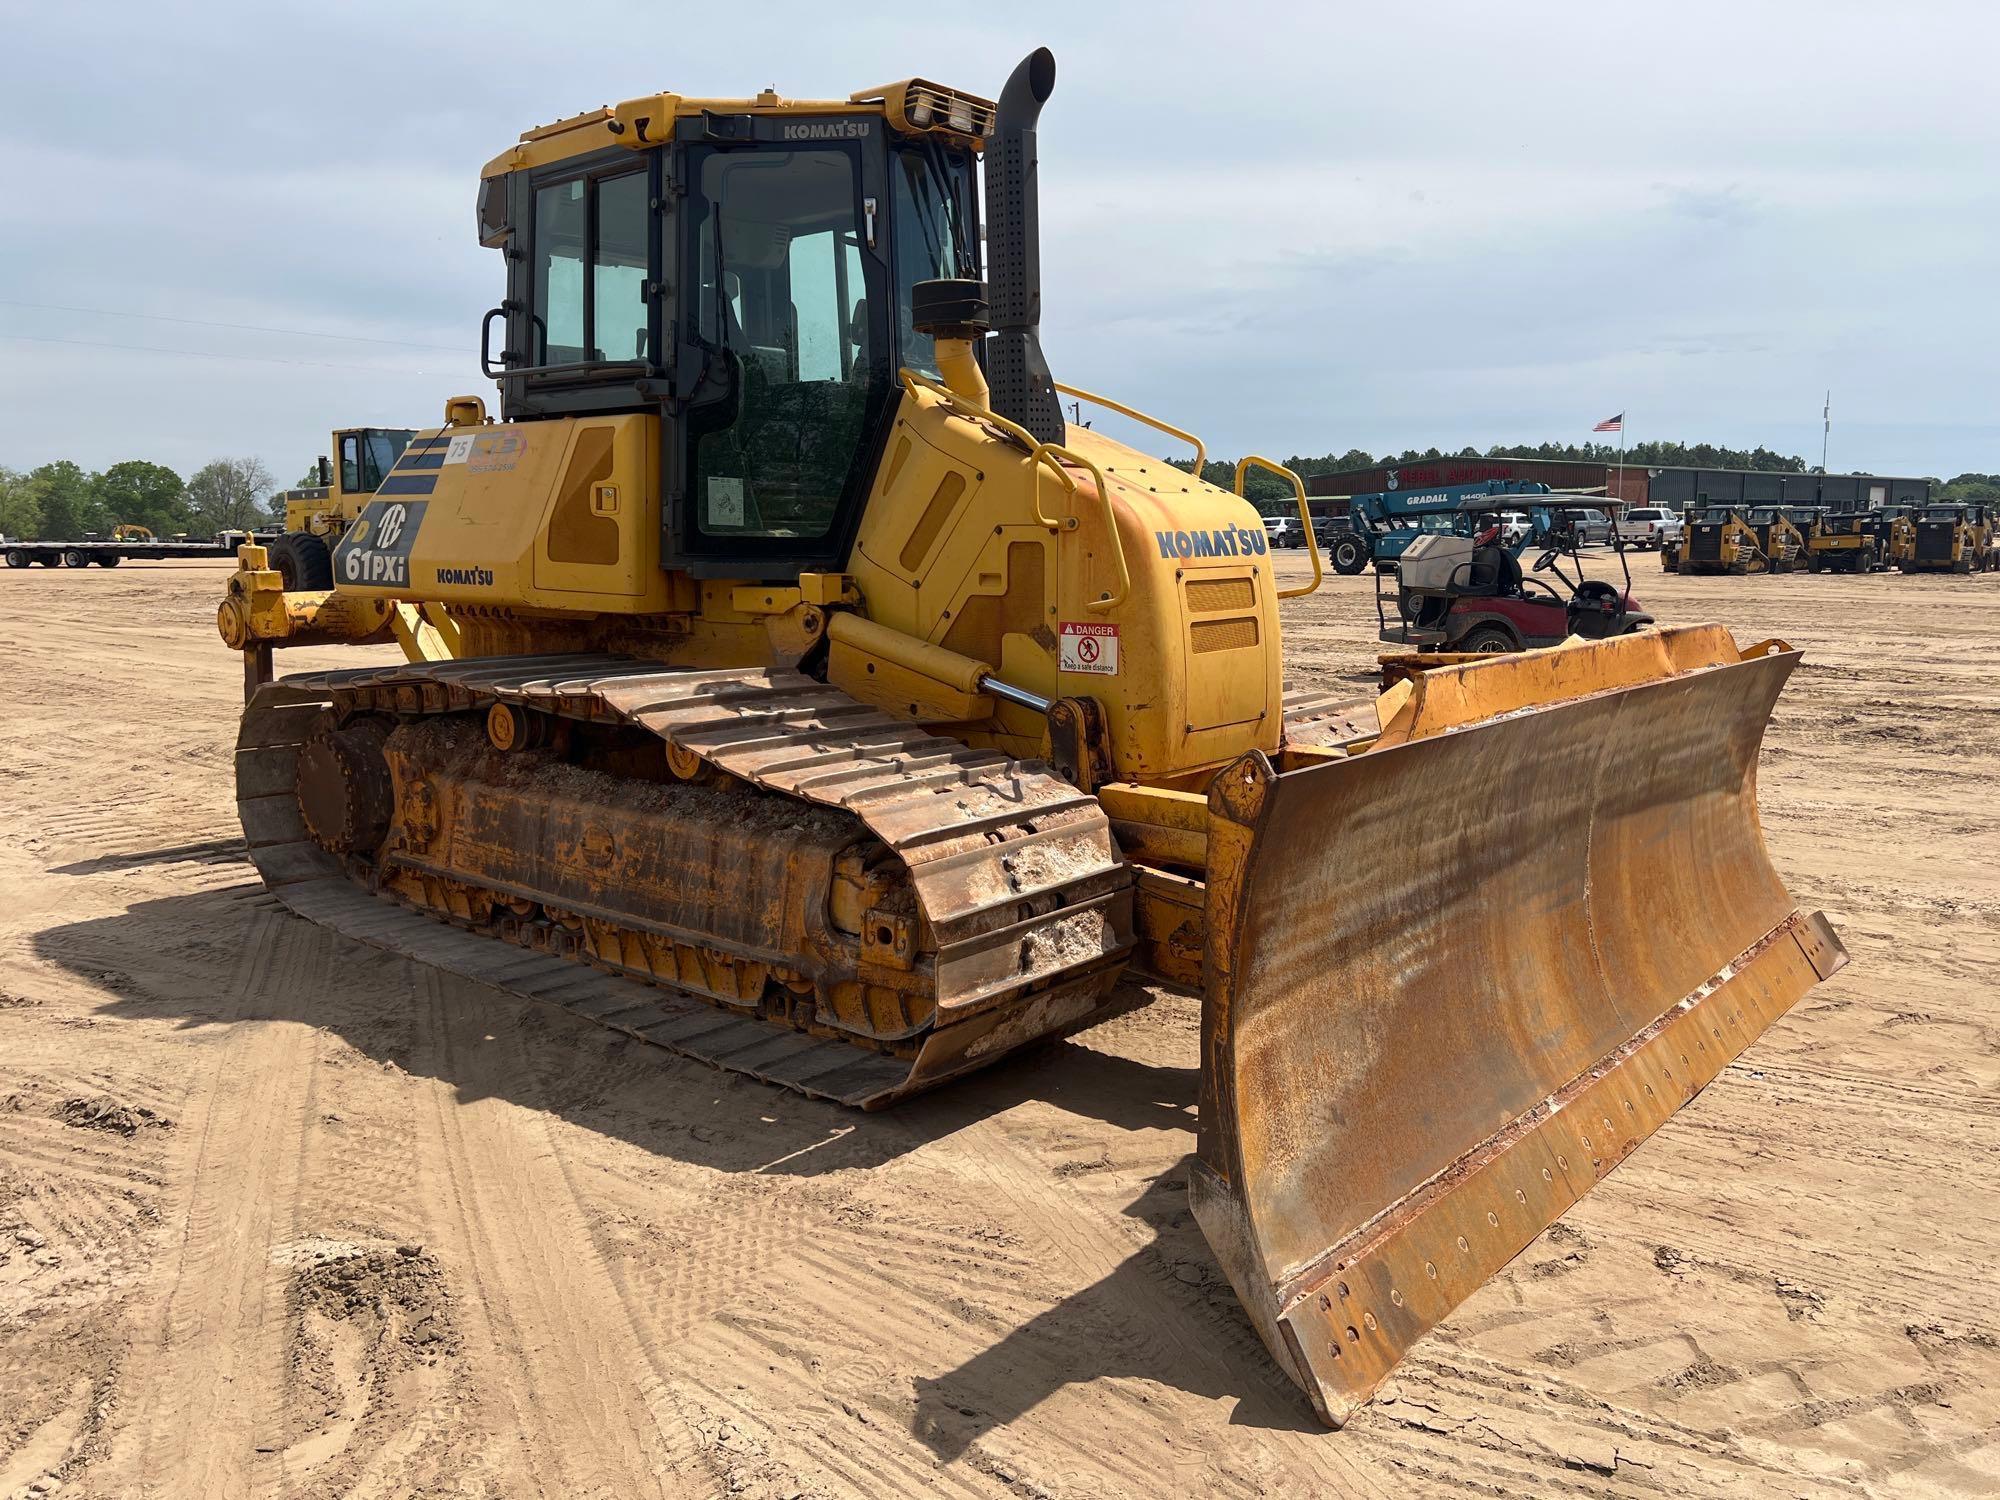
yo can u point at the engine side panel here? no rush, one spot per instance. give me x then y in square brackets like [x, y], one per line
[1185, 666]
[559, 515]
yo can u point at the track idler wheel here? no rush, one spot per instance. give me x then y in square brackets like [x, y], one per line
[346, 795]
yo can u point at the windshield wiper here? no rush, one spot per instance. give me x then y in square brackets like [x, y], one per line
[940, 174]
[721, 339]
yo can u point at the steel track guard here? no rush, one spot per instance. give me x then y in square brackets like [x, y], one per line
[1454, 981]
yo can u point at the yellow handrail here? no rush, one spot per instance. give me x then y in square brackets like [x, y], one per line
[1200, 448]
[1053, 456]
[1243, 467]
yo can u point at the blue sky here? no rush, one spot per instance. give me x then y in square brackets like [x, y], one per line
[1293, 229]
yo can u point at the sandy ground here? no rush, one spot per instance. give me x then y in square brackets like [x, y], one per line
[283, 1215]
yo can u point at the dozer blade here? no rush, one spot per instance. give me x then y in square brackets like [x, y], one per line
[1450, 983]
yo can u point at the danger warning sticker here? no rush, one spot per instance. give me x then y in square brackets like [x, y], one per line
[1085, 646]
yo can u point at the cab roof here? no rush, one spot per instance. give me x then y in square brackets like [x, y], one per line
[913, 106]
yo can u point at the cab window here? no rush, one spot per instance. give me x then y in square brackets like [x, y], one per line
[618, 269]
[367, 457]
[788, 339]
[932, 238]
[561, 210]
[599, 226]
[379, 452]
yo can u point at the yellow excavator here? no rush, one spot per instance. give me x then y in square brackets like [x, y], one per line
[797, 690]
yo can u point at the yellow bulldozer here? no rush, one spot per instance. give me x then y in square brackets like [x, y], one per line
[802, 693]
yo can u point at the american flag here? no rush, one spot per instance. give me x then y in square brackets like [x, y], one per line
[1611, 424]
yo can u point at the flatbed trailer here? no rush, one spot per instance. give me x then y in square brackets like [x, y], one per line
[107, 554]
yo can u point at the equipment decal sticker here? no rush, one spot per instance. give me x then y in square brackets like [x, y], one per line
[376, 549]
[725, 502]
[494, 452]
[458, 449]
[1086, 646]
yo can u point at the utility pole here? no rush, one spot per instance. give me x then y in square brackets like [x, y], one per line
[1826, 433]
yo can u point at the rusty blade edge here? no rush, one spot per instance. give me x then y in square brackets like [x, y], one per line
[1528, 710]
[1304, 1281]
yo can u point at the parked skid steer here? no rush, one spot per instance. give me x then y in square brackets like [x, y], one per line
[1845, 542]
[1719, 539]
[1952, 537]
[799, 692]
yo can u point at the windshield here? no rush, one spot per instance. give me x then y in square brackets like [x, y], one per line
[933, 239]
[781, 308]
[381, 449]
[368, 455]
[1941, 513]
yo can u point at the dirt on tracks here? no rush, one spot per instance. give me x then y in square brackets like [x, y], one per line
[284, 1215]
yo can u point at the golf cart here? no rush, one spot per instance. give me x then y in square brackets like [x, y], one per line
[1465, 590]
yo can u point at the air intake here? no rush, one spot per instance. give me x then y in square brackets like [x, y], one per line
[1023, 390]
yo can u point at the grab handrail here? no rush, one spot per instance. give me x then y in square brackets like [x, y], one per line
[1243, 467]
[1200, 448]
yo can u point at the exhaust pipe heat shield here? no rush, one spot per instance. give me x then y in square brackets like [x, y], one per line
[1453, 981]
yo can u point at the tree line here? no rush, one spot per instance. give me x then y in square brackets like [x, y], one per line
[1260, 485]
[63, 502]
[1971, 487]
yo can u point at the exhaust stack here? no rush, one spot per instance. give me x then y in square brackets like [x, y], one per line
[1023, 390]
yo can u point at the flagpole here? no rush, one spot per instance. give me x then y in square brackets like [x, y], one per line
[1621, 462]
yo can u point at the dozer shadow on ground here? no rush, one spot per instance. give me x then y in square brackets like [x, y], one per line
[1163, 1313]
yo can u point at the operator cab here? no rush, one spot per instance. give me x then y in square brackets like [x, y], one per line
[367, 454]
[363, 457]
[748, 276]
[1773, 527]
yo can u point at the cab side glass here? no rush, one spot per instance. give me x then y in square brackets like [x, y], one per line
[558, 293]
[618, 270]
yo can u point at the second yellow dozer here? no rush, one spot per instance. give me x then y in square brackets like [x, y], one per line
[800, 692]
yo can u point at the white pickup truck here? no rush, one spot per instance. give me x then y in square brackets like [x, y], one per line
[1649, 527]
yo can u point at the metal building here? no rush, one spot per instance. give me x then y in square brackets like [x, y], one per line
[1635, 485]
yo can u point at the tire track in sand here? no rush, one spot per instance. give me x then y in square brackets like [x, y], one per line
[208, 1354]
[551, 1337]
